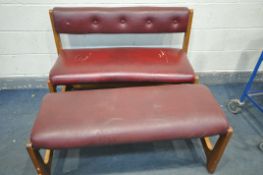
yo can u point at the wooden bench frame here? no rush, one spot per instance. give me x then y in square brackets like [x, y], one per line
[213, 154]
[53, 88]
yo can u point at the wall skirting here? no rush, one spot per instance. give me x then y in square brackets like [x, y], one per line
[228, 77]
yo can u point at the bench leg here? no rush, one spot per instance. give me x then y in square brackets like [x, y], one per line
[197, 80]
[214, 153]
[43, 166]
[51, 87]
[64, 88]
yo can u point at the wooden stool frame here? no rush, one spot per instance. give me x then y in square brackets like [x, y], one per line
[213, 154]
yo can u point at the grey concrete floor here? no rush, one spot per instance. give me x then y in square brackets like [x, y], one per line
[18, 109]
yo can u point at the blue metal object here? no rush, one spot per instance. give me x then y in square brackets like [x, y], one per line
[235, 105]
[247, 93]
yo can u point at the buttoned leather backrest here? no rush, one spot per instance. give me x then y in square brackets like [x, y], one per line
[120, 20]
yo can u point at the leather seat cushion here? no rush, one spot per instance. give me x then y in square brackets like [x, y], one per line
[127, 115]
[121, 65]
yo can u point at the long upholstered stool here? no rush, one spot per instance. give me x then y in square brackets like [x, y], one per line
[128, 115]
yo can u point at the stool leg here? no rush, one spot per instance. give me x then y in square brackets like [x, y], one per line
[51, 87]
[43, 167]
[214, 153]
[48, 158]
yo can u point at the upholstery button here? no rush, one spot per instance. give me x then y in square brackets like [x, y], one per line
[67, 23]
[95, 21]
[123, 21]
[175, 21]
[149, 21]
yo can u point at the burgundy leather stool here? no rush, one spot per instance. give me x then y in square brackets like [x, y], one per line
[128, 115]
[120, 65]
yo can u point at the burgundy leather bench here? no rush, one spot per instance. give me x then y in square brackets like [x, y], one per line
[120, 65]
[128, 115]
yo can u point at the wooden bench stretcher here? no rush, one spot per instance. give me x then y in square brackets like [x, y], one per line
[128, 115]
